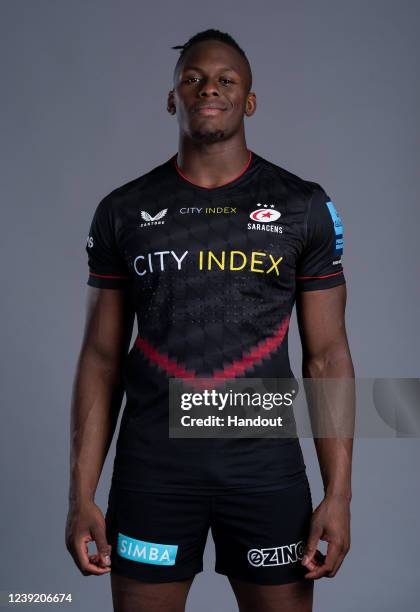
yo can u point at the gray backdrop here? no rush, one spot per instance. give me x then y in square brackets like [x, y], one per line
[83, 111]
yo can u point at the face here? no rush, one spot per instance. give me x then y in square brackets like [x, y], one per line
[211, 92]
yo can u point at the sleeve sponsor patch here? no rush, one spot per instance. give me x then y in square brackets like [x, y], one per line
[338, 228]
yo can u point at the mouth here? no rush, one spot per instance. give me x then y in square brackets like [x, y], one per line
[208, 110]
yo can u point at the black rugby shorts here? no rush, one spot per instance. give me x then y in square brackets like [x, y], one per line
[258, 537]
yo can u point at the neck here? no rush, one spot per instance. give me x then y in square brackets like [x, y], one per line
[211, 165]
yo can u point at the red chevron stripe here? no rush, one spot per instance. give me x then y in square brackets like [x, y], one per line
[255, 355]
[249, 359]
[163, 361]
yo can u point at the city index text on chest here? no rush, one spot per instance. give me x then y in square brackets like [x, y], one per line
[160, 261]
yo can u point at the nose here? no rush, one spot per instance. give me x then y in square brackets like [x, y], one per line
[209, 88]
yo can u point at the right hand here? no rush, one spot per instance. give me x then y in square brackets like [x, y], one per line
[86, 523]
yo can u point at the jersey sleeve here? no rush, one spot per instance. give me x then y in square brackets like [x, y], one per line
[107, 267]
[320, 264]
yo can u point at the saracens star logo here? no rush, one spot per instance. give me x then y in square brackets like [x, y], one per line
[265, 214]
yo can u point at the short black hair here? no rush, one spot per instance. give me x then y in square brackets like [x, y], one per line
[212, 34]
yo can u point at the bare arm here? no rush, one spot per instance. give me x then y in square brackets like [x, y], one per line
[96, 402]
[326, 354]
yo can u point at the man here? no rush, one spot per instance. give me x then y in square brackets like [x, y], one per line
[210, 250]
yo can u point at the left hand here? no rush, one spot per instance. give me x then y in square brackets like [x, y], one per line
[330, 522]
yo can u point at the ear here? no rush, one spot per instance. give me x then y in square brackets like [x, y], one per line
[251, 104]
[170, 107]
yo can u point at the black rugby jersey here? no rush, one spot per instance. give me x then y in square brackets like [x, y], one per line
[212, 274]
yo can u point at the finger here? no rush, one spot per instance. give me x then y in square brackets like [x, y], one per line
[345, 547]
[334, 552]
[82, 559]
[311, 546]
[326, 568]
[102, 546]
[337, 565]
[343, 552]
[96, 567]
[317, 560]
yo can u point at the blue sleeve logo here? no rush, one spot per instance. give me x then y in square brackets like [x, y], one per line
[338, 228]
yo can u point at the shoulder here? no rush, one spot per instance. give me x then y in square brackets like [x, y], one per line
[135, 188]
[295, 183]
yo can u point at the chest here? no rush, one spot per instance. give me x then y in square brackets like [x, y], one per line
[233, 234]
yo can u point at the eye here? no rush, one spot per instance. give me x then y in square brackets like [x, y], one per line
[191, 79]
